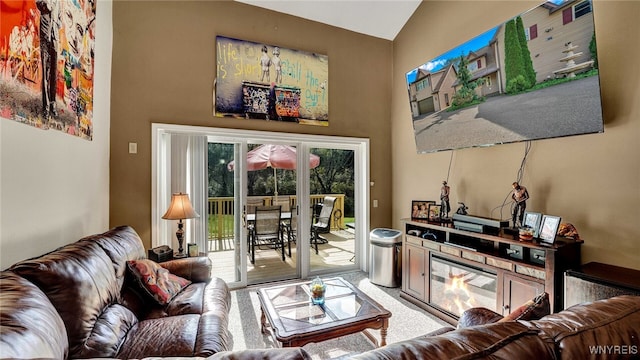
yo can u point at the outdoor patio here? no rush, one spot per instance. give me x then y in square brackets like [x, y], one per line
[337, 252]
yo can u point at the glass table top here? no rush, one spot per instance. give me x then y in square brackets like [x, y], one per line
[293, 302]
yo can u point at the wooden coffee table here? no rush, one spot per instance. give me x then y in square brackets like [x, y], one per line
[291, 318]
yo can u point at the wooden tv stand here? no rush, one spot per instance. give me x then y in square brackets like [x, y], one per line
[523, 269]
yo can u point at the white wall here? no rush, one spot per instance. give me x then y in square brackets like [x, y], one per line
[54, 188]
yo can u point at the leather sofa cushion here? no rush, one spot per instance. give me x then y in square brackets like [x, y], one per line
[610, 327]
[197, 298]
[213, 301]
[183, 335]
[121, 244]
[174, 336]
[31, 326]
[508, 340]
[196, 269]
[79, 281]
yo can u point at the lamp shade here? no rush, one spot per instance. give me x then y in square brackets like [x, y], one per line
[180, 208]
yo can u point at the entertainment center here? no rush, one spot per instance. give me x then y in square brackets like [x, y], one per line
[447, 270]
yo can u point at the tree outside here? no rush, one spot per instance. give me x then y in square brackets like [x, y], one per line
[334, 175]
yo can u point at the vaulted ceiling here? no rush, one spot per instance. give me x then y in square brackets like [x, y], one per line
[380, 18]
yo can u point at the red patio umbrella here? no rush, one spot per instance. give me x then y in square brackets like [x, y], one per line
[276, 157]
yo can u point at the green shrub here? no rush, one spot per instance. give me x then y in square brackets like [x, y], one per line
[462, 97]
[517, 85]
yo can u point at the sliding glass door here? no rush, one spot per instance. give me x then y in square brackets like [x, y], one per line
[225, 230]
[297, 173]
[332, 196]
[271, 182]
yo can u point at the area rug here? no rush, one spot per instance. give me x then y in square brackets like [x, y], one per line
[407, 321]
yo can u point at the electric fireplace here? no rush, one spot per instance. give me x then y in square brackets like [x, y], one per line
[456, 287]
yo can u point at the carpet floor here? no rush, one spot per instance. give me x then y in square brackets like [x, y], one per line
[407, 321]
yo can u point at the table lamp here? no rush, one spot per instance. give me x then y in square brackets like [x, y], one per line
[179, 209]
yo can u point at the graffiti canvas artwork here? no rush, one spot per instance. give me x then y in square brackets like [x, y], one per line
[261, 81]
[47, 64]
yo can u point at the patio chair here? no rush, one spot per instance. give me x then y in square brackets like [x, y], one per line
[322, 222]
[266, 231]
[290, 227]
[284, 202]
[253, 202]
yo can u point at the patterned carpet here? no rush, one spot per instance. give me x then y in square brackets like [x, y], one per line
[407, 321]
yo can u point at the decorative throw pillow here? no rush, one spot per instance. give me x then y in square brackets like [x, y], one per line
[157, 281]
[533, 309]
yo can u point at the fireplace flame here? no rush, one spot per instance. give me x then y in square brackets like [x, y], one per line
[458, 293]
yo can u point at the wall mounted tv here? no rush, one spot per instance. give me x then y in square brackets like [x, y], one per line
[533, 77]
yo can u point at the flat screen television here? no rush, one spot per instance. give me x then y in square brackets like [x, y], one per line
[532, 77]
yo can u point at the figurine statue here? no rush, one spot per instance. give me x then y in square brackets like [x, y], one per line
[520, 195]
[444, 200]
[462, 209]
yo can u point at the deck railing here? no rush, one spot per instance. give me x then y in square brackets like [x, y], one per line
[221, 210]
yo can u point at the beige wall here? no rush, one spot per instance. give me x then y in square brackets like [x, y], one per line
[54, 187]
[163, 71]
[592, 181]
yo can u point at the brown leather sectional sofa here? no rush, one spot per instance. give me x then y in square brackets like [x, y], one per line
[604, 329]
[80, 301]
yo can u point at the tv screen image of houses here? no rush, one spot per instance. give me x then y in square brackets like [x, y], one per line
[532, 77]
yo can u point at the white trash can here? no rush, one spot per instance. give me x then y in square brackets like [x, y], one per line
[386, 257]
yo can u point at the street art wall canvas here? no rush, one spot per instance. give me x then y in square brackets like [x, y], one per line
[47, 64]
[261, 81]
[532, 77]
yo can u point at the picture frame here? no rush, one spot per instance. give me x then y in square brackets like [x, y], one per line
[420, 209]
[533, 220]
[261, 81]
[192, 249]
[435, 212]
[549, 228]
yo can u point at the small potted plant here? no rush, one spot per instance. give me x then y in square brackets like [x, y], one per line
[318, 288]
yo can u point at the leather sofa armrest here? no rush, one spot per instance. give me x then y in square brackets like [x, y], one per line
[478, 316]
[440, 331]
[196, 269]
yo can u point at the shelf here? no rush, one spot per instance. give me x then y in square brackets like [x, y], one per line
[519, 264]
[503, 237]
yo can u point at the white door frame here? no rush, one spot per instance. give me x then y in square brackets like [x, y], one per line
[304, 142]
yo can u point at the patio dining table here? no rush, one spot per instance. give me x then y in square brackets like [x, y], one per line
[283, 216]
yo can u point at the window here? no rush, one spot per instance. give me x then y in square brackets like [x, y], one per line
[446, 99]
[581, 9]
[487, 81]
[422, 84]
[576, 11]
[473, 66]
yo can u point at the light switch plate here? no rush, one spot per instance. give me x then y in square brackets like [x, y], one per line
[133, 148]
